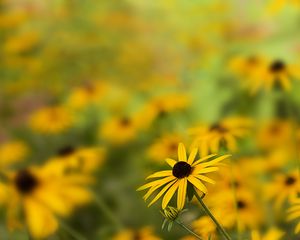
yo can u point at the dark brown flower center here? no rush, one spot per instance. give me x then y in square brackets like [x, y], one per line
[181, 169]
[277, 66]
[137, 236]
[290, 181]
[173, 147]
[252, 60]
[125, 122]
[25, 181]
[66, 151]
[241, 204]
[218, 127]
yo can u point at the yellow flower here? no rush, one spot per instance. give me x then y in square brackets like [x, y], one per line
[277, 5]
[271, 234]
[275, 134]
[83, 160]
[184, 171]
[294, 213]
[164, 147]
[12, 152]
[145, 233]
[42, 193]
[21, 43]
[210, 138]
[12, 18]
[119, 130]
[91, 92]
[51, 120]
[283, 187]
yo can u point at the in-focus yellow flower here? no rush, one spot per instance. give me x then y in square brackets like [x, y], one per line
[42, 193]
[145, 233]
[210, 138]
[271, 234]
[91, 92]
[294, 213]
[164, 147]
[119, 130]
[12, 152]
[283, 187]
[51, 120]
[184, 171]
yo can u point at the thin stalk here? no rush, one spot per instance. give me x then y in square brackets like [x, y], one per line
[109, 214]
[189, 230]
[208, 212]
[72, 232]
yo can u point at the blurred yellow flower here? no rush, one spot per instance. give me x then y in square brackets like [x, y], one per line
[119, 130]
[211, 138]
[294, 213]
[283, 187]
[42, 193]
[22, 42]
[51, 120]
[184, 171]
[271, 234]
[205, 227]
[164, 147]
[12, 19]
[12, 152]
[145, 233]
[83, 159]
[89, 93]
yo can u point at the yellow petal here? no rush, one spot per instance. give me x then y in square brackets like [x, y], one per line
[171, 162]
[181, 195]
[154, 188]
[204, 178]
[160, 174]
[197, 183]
[161, 192]
[41, 222]
[205, 170]
[169, 194]
[181, 152]
[203, 159]
[215, 161]
[192, 155]
[154, 183]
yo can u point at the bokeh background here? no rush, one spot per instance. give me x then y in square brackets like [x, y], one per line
[112, 87]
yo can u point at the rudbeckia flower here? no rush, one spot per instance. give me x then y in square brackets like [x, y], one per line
[210, 138]
[51, 120]
[184, 171]
[271, 234]
[294, 213]
[12, 152]
[145, 233]
[283, 187]
[43, 193]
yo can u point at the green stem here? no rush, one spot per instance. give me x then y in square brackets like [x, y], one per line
[189, 230]
[109, 214]
[208, 212]
[76, 235]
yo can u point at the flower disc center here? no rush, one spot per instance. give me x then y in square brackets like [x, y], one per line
[290, 181]
[277, 66]
[181, 169]
[25, 181]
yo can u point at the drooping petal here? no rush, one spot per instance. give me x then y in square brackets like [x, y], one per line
[154, 188]
[158, 196]
[181, 195]
[169, 194]
[181, 152]
[197, 183]
[156, 182]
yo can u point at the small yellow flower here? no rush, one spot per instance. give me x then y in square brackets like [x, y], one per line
[283, 187]
[12, 152]
[119, 130]
[164, 147]
[145, 233]
[51, 120]
[42, 193]
[184, 171]
[21, 43]
[210, 138]
[294, 213]
[271, 234]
